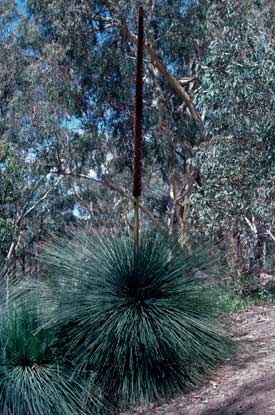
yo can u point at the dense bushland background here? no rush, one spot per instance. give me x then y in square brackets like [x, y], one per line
[104, 322]
[66, 124]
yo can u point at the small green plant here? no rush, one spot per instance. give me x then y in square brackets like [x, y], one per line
[33, 378]
[232, 301]
[142, 320]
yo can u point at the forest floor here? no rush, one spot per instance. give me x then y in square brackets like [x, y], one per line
[244, 384]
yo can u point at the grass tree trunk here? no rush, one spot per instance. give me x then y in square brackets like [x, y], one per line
[137, 181]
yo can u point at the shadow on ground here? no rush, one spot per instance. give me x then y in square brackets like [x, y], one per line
[245, 384]
[254, 398]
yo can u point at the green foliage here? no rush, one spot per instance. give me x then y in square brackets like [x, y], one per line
[233, 302]
[237, 73]
[10, 182]
[34, 378]
[237, 88]
[67, 81]
[10, 170]
[89, 84]
[31, 123]
[144, 322]
[235, 198]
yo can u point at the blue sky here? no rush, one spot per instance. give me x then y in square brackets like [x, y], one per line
[21, 6]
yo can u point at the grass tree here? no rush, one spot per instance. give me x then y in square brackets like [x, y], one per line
[133, 311]
[34, 376]
[142, 320]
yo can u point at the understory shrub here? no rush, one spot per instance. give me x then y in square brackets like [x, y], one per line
[144, 322]
[34, 379]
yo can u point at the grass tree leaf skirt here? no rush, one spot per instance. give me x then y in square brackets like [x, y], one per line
[144, 322]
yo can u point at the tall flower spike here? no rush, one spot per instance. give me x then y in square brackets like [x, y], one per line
[137, 182]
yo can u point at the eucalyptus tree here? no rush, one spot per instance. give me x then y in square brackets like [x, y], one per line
[69, 113]
[9, 183]
[237, 163]
[95, 43]
[28, 121]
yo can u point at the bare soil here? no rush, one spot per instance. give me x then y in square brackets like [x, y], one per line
[243, 385]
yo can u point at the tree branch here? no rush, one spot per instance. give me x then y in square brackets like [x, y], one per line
[151, 13]
[117, 189]
[34, 206]
[272, 236]
[176, 87]
[15, 243]
[172, 81]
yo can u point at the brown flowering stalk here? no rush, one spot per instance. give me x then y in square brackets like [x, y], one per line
[137, 180]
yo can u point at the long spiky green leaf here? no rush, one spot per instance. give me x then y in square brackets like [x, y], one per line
[144, 323]
[34, 377]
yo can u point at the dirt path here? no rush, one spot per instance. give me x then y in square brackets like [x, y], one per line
[244, 385]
